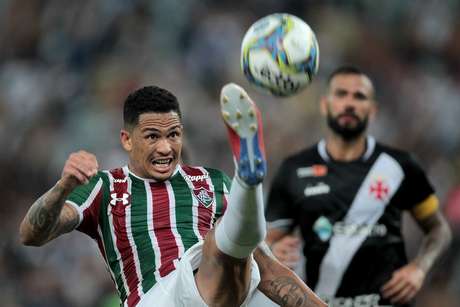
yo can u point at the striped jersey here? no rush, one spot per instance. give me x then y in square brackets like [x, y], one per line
[350, 217]
[143, 227]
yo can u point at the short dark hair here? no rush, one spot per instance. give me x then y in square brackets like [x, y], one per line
[345, 70]
[148, 99]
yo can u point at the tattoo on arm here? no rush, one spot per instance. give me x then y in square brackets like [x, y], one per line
[49, 217]
[286, 292]
[281, 284]
[41, 218]
[437, 239]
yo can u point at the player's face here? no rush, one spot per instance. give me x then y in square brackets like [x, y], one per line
[154, 145]
[349, 105]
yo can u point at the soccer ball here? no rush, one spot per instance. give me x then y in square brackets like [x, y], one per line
[280, 54]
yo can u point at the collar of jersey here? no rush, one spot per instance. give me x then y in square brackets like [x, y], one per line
[126, 168]
[370, 146]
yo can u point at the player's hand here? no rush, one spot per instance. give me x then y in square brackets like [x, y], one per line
[404, 284]
[287, 250]
[78, 170]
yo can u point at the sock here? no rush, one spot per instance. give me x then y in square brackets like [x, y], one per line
[243, 225]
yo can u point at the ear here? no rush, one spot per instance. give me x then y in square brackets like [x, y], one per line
[323, 106]
[126, 140]
[374, 110]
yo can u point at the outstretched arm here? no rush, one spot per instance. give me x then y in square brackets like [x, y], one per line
[281, 284]
[407, 281]
[50, 216]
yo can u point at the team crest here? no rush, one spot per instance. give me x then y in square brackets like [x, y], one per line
[379, 189]
[205, 197]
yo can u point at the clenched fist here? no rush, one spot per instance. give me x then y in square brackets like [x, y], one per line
[78, 170]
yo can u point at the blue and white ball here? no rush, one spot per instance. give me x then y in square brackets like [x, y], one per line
[280, 54]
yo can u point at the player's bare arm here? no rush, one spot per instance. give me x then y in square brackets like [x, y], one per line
[274, 235]
[407, 281]
[50, 216]
[284, 246]
[436, 240]
[281, 284]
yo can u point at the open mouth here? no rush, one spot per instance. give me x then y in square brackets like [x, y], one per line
[162, 164]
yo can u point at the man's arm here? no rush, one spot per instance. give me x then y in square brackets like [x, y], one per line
[407, 281]
[50, 216]
[436, 240]
[281, 284]
[285, 246]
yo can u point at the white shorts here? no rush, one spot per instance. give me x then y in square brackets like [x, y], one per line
[178, 289]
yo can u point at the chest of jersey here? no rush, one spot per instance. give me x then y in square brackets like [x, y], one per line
[346, 198]
[168, 215]
[144, 227]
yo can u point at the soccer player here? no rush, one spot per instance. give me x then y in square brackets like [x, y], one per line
[153, 219]
[347, 194]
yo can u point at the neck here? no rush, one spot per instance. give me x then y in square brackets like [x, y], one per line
[345, 150]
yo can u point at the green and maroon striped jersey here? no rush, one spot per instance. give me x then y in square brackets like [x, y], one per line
[143, 227]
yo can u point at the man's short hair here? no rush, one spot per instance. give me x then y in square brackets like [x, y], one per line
[148, 99]
[345, 70]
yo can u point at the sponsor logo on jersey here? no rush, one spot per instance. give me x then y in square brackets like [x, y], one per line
[197, 178]
[379, 189]
[317, 189]
[324, 229]
[204, 196]
[316, 170]
[120, 180]
[365, 300]
[115, 199]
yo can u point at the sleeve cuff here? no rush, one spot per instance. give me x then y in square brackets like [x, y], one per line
[80, 212]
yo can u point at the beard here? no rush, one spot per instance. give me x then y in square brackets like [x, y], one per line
[348, 133]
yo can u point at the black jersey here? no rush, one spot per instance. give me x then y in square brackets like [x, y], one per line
[349, 214]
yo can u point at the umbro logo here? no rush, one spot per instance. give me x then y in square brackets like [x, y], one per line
[123, 199]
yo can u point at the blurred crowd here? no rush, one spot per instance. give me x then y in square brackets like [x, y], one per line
[66, 67]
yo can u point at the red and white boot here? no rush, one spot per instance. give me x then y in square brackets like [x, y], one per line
[244, 126]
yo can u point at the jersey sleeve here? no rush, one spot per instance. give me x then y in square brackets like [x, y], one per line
[223, 190]
[86, 199]
[417, 192]
[279, 212]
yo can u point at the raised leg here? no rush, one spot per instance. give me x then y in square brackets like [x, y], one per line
[224, 275]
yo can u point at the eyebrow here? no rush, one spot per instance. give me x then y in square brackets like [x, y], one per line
[357, 93]
[157, 130]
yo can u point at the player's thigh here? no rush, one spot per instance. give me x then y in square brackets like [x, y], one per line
[222, 279]
[219, 271]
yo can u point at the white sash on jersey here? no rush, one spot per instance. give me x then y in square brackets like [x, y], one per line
[365, 209]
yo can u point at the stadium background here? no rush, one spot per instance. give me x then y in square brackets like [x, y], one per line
[65, 67]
